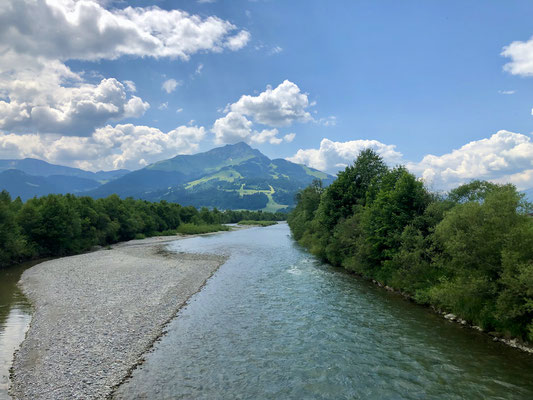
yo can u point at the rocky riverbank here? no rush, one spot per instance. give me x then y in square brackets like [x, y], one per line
[96, 314]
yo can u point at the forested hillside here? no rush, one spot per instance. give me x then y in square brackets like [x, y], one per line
[59, 225]
[469, 252]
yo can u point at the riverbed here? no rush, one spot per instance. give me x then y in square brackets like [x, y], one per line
[273, 323]
[95, 315]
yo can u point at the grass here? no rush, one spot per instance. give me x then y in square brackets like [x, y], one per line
[192, 229]
[227, 175]
[260, 223]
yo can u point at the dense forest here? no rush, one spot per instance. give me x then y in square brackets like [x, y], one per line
[469, 252]
[58, 225]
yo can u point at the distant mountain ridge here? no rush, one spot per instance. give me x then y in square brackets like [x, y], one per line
[33, 166]
[25, 186]
[30, 177]
[229, 177]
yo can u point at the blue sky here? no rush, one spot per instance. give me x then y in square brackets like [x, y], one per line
[425, 83]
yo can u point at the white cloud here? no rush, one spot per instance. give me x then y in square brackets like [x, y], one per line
[130, 86]
[521, 55]
[39, 93]
[328, 121]
[199, 69]
[238, 41]
[179, 110]
[163, 106]
[170, 85]
[110, 147]
[86, 30]
[235, 127]
[507, 92]
[504, 157]
[47, 106]
[266, 135]
[289, 137]
[281, 106]
[232, 128]
[277, 107]
[276, 50]
[334, 156]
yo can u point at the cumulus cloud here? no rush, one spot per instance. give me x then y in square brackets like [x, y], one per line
[47, 106]
[334, 156]
[521, 55]
[130, 86]
[170, 85]
[266, 135]
[504, 157]
[277, 107]
[39, 93]
[86, 30]
[289, 137]
[232, 128]
[238, 41]
[110, 147]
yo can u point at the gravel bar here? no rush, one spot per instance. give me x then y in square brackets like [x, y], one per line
[96, 314]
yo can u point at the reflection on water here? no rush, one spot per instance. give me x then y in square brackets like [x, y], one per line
[273, 323]
[15, 316]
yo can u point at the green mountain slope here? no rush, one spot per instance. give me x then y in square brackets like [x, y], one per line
[230, 177]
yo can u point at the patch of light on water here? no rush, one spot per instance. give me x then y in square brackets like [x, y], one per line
[12, 333]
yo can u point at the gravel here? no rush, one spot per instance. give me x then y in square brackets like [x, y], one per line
[96, 314]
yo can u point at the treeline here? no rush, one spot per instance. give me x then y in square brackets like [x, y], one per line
[58, 225]
[469, 252]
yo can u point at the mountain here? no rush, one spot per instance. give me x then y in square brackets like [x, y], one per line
[31, 177]
[18, 183]
[229, 177]
[32, 166]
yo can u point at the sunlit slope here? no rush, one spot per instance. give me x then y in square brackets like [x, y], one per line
[230, 177]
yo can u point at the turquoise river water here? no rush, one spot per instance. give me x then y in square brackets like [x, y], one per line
[274, 323]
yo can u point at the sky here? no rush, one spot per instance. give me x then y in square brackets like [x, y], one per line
[443, 87]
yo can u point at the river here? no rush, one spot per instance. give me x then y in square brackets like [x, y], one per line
[15, 317]
[274, 323]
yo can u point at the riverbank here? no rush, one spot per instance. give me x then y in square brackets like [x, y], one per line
[496, 336]
[96, 314]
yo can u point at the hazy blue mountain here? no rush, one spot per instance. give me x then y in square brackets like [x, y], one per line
[229, 177]
[18, 183]
[32, 166]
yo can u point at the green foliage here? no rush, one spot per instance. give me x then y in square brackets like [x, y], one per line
[470, 252]
[58, 225]
[260, 223]
[192, 229]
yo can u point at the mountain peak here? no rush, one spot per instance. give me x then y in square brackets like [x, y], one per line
[240, 144]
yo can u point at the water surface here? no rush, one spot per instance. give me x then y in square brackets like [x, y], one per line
[274, 323]
[15, 317]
